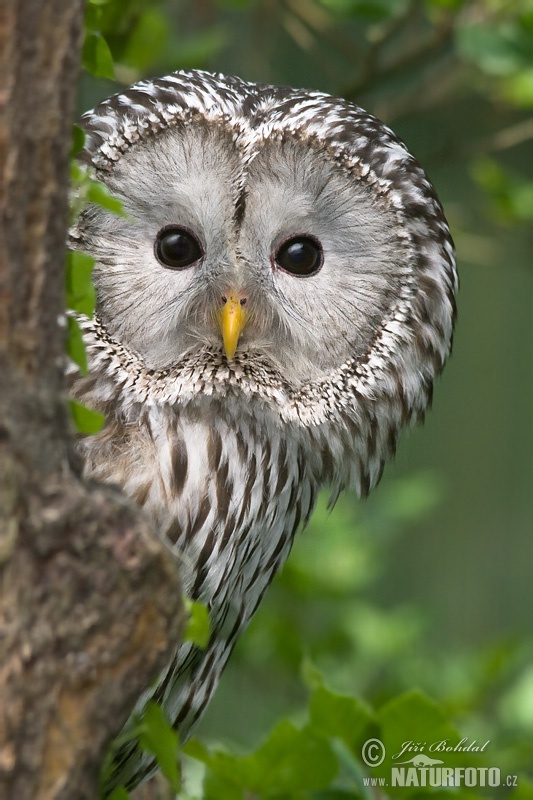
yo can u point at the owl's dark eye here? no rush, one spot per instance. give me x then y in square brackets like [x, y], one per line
[301, 256]
[177, 248]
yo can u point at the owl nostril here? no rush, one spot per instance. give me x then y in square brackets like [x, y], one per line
[235, 298]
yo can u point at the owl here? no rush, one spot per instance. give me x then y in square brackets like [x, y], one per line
[272, 309]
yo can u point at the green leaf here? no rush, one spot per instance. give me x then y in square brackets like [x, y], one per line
[88, 190]
[290, 760]
[78, 174]
[197, 629]
[120, 793]
[218, 788]
[97, 58]
[75, 346]
[351, 770]
[78, 140]
[413, 723]
[159, 738]
[79, 287]
[99, 193]
[86, 420]
[198, 750]
[340, 716]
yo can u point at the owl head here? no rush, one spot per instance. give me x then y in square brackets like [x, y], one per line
[275, 241]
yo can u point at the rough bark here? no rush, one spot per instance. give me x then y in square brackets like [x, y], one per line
[89, 599]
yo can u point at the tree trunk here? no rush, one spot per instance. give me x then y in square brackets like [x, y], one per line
[90, 602]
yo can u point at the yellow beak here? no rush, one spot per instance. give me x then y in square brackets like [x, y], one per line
[232, 321]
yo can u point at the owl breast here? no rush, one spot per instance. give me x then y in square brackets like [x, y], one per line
[227, 488]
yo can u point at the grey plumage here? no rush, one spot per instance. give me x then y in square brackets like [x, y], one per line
[227, 452]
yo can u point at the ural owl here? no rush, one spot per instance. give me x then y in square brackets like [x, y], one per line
[272, 309]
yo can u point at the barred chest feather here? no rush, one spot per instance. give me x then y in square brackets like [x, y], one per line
[227, 484]
[225, 475]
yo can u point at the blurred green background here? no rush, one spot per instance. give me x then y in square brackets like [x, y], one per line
[427, 584]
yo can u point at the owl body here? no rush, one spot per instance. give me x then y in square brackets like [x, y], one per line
[272, 309]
